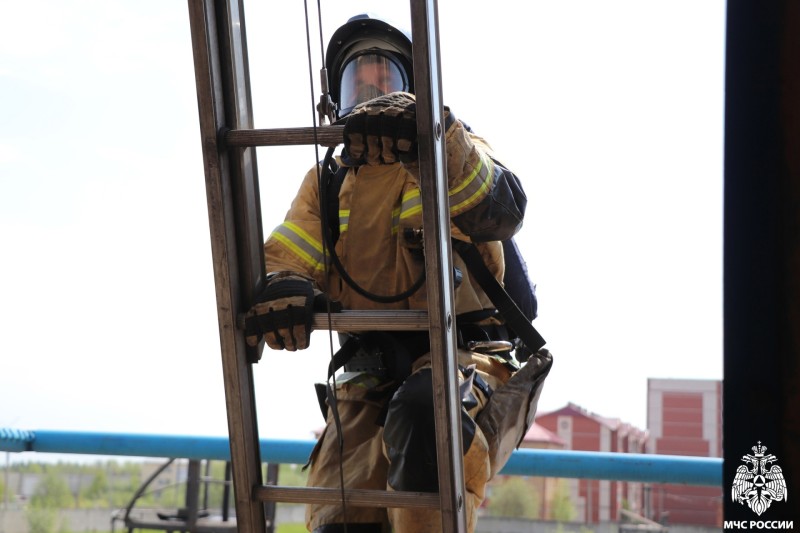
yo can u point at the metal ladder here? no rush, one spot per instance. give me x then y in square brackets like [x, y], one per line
[229, 139]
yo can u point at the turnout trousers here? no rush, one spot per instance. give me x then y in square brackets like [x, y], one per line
[388, 443]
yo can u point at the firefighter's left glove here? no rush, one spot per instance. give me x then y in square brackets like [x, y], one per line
[382, 131]
[283, 313]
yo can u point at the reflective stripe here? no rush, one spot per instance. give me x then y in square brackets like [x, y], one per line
[468, 193]
[473, 189]
[301, 243]
[410, 206]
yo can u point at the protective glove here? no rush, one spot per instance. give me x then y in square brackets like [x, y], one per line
[382, 130]
[284, 312]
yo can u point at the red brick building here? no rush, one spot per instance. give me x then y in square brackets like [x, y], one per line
[598, 500]
[684, 417]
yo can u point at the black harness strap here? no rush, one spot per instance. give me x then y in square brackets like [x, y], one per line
[330, 182]
[515, 319]
[324, 390]
[334, 185]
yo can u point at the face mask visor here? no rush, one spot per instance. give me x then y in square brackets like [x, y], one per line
[367, 75]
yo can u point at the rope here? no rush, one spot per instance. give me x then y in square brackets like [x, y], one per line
[330, 388]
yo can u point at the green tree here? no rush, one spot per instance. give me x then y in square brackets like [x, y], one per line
[561, 507]
[292, 476]
[41, 520]
[515, 498]
[97, 490]
[52, 492]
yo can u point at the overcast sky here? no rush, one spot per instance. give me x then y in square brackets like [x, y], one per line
[611, 113]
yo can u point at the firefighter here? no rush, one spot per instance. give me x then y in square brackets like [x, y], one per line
[384, 398]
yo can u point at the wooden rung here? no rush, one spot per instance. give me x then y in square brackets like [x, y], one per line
[401, 320]
[325, 136]
[353, 497]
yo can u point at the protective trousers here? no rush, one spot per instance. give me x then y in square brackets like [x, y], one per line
[401, 454]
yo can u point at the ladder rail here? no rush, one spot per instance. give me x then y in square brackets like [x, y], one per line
[229, 141]
[438, 263]
[221, 69]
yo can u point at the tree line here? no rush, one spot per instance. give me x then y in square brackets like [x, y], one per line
[112, 484]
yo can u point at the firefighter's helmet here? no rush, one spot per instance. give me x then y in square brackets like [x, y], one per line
[367, 57]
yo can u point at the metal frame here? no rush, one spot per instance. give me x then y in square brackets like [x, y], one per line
[438, 262]
[187, 519]
[762, 248]
[228, 139]
[223, 97]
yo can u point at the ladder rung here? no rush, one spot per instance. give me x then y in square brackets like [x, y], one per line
[325, 135]
[354, 497]
[400, 320]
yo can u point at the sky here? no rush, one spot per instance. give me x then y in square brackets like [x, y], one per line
[611, 114]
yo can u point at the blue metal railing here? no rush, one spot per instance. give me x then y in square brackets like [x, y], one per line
[649, 468]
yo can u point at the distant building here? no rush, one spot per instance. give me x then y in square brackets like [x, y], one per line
[684, 417]
[596, 500]
[541, 438]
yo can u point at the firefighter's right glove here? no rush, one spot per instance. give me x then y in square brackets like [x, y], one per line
[283, 313]
[382, 131]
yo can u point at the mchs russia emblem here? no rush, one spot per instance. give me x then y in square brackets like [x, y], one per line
[760, 484]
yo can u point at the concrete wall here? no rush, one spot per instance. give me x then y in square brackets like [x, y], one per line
[487, 524]
[74, 520]
[99, 520]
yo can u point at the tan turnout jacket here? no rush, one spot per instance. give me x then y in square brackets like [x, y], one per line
[377, 205]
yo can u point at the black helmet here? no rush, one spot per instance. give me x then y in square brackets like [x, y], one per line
[365, 44]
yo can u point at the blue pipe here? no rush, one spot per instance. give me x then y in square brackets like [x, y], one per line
[146, 445]
[649, 468]
[652, 468]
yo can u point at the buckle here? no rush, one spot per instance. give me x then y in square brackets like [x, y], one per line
[489, 346]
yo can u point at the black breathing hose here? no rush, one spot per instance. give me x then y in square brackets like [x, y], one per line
[325, 176]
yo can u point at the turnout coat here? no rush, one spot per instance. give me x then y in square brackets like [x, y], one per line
[380, 213]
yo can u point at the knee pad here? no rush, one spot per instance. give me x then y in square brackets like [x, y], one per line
[410, 435]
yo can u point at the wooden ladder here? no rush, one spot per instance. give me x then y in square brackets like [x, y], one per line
[229, 139]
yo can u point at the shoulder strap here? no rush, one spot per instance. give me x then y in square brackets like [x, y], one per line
[516, 280]
[334, 186]
[515, 319]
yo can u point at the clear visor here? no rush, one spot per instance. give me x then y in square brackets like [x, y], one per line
[368, 76]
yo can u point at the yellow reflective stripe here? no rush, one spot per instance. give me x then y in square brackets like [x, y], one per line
[412, 204]
[344, 220]
[301, 243]
[474, 188]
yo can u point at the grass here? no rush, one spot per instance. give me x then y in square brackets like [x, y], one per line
[291, 528]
